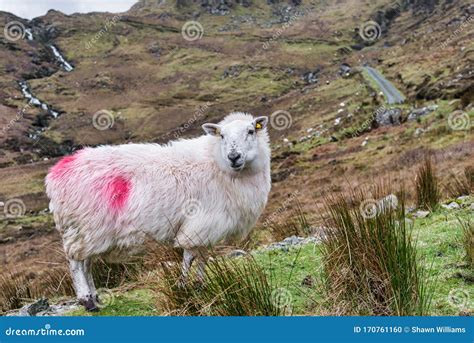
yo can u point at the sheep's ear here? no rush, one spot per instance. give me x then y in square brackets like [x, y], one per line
[212, 129]
[260, 123]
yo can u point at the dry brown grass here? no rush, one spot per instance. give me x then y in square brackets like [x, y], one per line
[427, 188]
[295, 224]
[16, 289]
[460, 183]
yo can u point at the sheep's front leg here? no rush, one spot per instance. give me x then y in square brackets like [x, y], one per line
[90, 279]
[79, 278]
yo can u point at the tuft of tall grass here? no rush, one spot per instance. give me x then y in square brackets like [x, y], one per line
[369, 259]
[428, 194]
[231, 287]
[459, 185]
[468, 239]
[297, 224]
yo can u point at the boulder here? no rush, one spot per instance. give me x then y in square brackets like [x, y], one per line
[391, 116]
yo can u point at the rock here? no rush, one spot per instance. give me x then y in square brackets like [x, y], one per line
[344, 69]
[451, 206]
[292, 240]
[155, 50]
[416, 113]
[461, 198]
[52, 310]
[308, 281]
[232, 71]
[421, 214]
[390, 202]
[237, 253]
[419, 131]
[391, 116]
[311, 77]
[35, 308]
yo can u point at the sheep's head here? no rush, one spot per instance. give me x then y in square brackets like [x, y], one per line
[238, 145]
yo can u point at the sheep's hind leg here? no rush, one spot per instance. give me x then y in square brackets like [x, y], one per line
[83, 292]
[201, 272]
[188, 258]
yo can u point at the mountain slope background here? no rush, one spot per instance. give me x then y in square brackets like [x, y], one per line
[163, 68]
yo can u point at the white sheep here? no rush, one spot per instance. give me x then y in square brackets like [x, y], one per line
[191, 193]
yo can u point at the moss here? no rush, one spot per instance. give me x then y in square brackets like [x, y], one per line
[138, 302]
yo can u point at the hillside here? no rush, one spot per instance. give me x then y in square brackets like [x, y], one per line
[138, 77]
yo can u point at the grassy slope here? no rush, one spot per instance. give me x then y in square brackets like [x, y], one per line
[438, 240]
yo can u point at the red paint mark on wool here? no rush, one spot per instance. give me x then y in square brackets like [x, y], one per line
[60, 169]
[117, 190]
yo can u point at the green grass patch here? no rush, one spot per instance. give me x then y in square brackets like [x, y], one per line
[137, 302]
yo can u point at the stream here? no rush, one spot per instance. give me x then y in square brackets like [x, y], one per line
[25, 88]
[66, 66]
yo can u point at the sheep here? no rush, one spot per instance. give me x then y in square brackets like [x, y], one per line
[189, 193]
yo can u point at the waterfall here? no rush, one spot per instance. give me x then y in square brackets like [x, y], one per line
[25, 89]
[67, 67]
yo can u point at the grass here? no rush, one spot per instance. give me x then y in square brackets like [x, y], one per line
[297, 224]
[467, 240]
[459, 185]
[16, 289]
[370, 262]
[231, 287]
[439, 247]
[426, 184]
[138, 302]
[439, 241]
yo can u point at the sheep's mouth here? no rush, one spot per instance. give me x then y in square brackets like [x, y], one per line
[237, 167]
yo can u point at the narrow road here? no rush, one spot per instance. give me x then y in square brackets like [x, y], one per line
[392, 95]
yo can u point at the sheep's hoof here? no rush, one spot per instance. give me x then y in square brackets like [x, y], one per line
[89, 304]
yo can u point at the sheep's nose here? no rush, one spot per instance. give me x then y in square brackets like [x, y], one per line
[233, 157]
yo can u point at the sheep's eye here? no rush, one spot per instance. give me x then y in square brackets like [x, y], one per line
[222, 136]
[251, 132]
